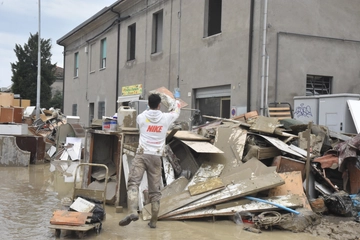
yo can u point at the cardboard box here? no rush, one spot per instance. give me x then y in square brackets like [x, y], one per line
[6, 99]
[6, 114]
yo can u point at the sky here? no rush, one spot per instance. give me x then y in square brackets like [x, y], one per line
[19, 18]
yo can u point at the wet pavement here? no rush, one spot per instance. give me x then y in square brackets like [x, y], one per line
[28, 196]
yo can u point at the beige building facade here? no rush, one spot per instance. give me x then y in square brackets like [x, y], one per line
[227, 57]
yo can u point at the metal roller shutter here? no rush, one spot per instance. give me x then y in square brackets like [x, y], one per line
[220, 91]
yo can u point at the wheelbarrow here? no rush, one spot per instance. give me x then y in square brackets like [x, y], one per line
[75, 221]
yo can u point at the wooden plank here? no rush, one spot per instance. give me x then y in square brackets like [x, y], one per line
[170, 203]
[290, 201]
[175, 187]
[171, 134]
[267, 152]
[280, 145]
[205, 172]
[202, 147]
[293, 185]
[232, 191]
[64, 217]
[264, 124]
[191, 136]
[232, 142]
[84, 227]
[279, 108]
[208, 185]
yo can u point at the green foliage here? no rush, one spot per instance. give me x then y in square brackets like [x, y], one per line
[24, 71]
[57, 100]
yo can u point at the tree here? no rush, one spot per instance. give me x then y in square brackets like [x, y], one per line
[57, 100]
[24, 71]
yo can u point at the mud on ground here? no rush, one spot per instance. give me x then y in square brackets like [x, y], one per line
[336, 228]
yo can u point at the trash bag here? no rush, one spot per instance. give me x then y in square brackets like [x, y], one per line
[98, 211]
[340, 203]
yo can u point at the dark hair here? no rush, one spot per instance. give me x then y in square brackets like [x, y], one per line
[154, 101]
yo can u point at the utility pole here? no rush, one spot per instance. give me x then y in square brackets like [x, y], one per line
[39, 68]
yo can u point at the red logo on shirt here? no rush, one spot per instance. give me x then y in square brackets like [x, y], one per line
[153, 128]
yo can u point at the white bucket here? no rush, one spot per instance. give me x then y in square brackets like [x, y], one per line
[126, 117]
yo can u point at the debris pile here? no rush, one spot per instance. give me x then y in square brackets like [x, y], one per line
[272, 173]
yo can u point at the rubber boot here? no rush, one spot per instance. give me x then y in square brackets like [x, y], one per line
[155, 206]
[133, 201]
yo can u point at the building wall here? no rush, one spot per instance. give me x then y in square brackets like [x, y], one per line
[314, 37]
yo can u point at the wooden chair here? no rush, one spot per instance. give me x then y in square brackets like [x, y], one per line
[280, 110]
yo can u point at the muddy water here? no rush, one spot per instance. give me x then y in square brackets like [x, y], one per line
[28, 196]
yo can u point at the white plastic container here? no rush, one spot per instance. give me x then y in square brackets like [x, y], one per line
[126, 118]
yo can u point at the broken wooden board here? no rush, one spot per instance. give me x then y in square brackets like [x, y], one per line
[64, 217]
[191, 136]
[231, 140]
[208, 185]
[280, 145]
[264, 124]
[170, 203]
[285, 164]
[290, 201]
[293, 185]
[232, 191]
[171, 134]
[205, 172]
[202, 147]
[175, 188]
[168, 171]
[167, 92]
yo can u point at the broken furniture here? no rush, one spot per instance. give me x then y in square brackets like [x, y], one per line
[280, 110]
[102, 148]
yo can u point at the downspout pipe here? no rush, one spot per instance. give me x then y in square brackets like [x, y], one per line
[117, 59]
[250, 52]
[263, 55]
[63, 90]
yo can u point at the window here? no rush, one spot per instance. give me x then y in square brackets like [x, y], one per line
[103, 53]
[131, 42]
[76, 64]
[212, 17]
[316, 85]
[92, 56]
[157, 32]
[101, 109]
[74, 109]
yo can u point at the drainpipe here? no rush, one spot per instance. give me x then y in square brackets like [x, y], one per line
[263, 58]
[117, 59]
[266, 84]
[251, 29]
[63, 90]
[178, 76]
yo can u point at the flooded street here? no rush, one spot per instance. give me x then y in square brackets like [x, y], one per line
[28, 196]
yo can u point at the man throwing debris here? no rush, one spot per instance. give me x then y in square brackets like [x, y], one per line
[153, 125]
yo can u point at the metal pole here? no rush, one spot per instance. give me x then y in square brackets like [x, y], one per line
[39, 68]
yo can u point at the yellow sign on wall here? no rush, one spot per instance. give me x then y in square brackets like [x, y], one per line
[132, 90]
